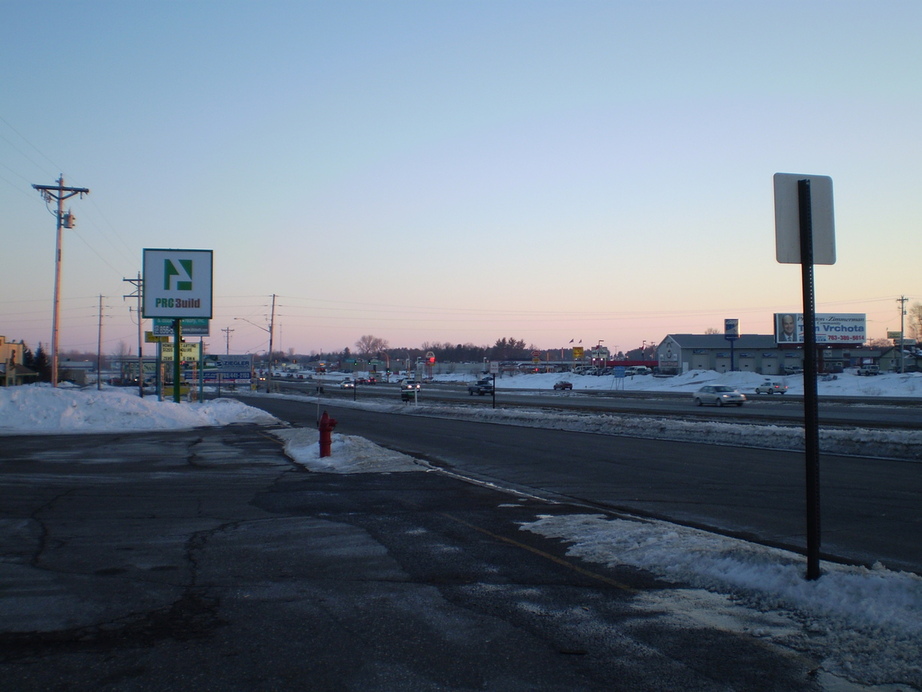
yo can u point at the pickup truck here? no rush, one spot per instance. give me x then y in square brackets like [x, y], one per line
[481, 387]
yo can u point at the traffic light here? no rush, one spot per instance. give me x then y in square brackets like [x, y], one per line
[431, 360]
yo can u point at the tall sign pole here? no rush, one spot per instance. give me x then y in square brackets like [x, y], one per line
[805, 235]
[59, 193]
[811, 405]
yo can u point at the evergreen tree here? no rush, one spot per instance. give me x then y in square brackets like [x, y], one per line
[42, 364]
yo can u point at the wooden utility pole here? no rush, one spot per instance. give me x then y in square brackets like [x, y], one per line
[99, 348]
[137, 283]
[59, 193]
[227, 332]
[271, 333]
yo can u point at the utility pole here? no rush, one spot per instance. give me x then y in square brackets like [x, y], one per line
[137, 283]
[99, 349]
[271, 332]
[902, 301]
[227, 332]
[58, 193]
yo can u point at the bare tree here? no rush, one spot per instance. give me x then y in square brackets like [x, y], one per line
[370, 345]
[914, 321]
[712, 330]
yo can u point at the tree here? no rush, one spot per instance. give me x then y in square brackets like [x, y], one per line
[914, 321]
[712, 330]
[41, 364]
[370, 345]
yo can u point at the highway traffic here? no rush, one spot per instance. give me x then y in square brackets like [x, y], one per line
[760, 408]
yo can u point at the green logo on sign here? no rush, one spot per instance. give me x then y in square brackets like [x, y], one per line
[177, 275]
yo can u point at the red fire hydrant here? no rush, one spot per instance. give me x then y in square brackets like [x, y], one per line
[326, 426]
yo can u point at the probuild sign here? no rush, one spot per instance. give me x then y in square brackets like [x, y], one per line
[177, 283]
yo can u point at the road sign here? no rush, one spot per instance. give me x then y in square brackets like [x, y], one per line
[177, 283]
[151, 338]
[731, 329]
[787, 218]
[187, 352]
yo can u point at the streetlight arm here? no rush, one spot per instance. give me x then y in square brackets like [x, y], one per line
[244, 319]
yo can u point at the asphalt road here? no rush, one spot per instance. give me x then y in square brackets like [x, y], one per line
[761, 408]
[205, 560]
[870, 508]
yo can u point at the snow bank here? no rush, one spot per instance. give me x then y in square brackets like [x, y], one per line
[46, 410]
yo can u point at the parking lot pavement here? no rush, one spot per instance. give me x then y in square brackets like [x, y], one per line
[207, 560]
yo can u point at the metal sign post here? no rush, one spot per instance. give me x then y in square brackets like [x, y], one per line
[804, 234]
[811, 408]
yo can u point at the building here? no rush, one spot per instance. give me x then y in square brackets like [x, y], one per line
[759, 353]
[679, 353]
[12, 371]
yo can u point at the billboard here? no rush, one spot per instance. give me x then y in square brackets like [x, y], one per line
[227, 368]
[831, 328]
[177, 283]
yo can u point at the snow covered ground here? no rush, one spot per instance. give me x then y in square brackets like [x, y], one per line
[865, 624]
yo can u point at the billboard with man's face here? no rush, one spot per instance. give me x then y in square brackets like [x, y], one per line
[838, 328]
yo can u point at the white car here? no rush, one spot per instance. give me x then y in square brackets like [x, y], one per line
[347, 383]
[719, 395]
[769, 387]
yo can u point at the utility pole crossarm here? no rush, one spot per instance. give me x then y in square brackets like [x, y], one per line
[49, 190]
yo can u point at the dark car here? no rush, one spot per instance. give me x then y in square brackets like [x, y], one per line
[481, 387]
[563, 384]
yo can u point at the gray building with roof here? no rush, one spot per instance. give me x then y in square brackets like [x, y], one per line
[759, 353]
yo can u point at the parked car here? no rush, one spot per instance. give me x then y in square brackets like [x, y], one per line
[632, 370]
[868, 370]
[563, 384]
[347, 383]
[719, 395]
[793, 370]
[481, 387]
[769, 387]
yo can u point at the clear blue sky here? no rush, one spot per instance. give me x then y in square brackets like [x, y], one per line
[457, 171]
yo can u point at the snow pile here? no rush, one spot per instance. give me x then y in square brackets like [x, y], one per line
[44, 410]
[348, 454]
[866, 622]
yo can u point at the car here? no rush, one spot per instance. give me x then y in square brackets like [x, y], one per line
[481, 387]
[347, 383]
[563, 384]
[868, 370]
[719, 395]
[793, 370]
[769, 387]
[632, 370]
[408, 389]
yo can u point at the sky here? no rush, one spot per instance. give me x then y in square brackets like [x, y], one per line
[869, 618]
[456, 172]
